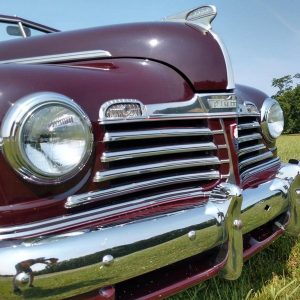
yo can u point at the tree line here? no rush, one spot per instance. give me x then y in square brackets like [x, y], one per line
[288, 95]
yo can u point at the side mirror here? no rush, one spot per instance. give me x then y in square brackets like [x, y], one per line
[14, 30]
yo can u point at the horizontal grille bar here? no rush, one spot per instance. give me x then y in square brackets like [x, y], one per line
[250, 125]
[151, 134]
[63, 222]
[156, 167]
[274, 163]
[75, 200]
[251, 149]
[249, 137]
[256, 159]
[155, 151]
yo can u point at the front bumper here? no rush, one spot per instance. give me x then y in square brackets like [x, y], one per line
[99, 257]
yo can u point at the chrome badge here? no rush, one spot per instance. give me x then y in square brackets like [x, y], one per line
[222, 102]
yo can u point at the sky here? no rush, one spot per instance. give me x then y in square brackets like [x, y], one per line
[262, 36]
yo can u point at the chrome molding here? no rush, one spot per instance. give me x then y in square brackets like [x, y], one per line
[59, 58]
[251, 149]
[151, 134]
[249, 137]
[251, 125]
[86, 198]
[230, 76]
[200, 106]
[275, 162]
[255, 159]
[156, 167]
[64, 222]
[231, 172]
[154, 151]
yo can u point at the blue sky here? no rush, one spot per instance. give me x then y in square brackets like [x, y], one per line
[262, 36]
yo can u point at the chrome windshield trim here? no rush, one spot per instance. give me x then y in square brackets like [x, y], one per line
[64, 222]
[151, 134]
[249, 137]
[154, 151]
[156, 167]
[255, 159]
[87, 198]
[56, 58]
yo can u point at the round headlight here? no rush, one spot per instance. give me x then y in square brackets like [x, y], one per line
[46, 137]
[272, 119]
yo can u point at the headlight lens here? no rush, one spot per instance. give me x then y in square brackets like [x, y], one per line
[272, 119]
[47, 137]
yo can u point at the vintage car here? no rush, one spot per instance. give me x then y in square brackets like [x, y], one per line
[132, 166]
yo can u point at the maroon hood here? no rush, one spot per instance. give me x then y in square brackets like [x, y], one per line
[191, 51]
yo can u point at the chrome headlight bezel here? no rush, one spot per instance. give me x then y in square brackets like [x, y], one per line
[269, 133]
[12, 128]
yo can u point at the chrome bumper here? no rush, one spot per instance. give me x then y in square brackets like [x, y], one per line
[99, 257]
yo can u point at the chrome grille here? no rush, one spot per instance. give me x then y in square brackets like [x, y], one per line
[253, 154]
[147, 157]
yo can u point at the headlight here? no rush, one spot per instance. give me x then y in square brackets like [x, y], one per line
[272, 119]
[46, 137]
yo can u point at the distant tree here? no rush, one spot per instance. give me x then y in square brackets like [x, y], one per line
[288, 96]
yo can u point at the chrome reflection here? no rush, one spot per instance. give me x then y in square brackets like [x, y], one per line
[102, 256]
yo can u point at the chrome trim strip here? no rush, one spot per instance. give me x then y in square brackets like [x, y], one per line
[86, 198]
[255, 159]
[258, 169]
[156, 167]
[222, 105]
[251, 149]
[230, 76]
[61, 57]
[226, 137]
[199, 116]
[251, 125]
[249, 137]
[87, 217]
[155, 151]
[151, 134]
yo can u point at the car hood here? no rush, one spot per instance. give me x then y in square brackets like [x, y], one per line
[193, 52]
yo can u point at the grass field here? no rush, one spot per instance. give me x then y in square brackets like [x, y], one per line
[271, 274]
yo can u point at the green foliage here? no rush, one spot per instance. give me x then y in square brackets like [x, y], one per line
[288, 96]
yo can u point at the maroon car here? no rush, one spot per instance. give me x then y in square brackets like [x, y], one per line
[132, 166]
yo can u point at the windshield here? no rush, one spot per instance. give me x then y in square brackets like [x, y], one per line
[14, 27]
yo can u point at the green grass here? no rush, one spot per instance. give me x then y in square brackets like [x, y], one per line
[272, 274]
